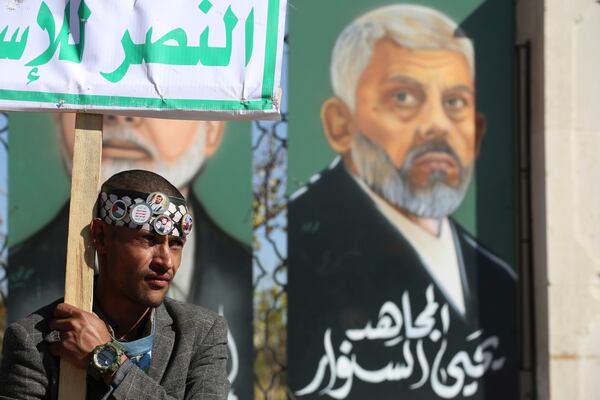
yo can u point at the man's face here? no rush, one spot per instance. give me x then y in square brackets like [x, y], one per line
[175, 149]
[140, 265]
[415, 126]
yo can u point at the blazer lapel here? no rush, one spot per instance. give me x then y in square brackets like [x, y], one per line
[164, 338]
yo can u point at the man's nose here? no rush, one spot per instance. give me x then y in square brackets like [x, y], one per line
[163, 257]
[436, 123]
[111, 119]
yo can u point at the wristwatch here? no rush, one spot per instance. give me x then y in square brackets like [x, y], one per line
[107, 357]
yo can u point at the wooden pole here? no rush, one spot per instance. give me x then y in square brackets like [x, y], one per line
[85, 180]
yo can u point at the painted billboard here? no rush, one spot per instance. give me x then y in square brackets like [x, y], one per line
[401, 157]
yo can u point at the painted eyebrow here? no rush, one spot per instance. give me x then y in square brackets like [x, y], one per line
[405, 79]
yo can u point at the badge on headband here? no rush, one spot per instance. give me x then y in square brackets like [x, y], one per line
[186, 224]
[141, 213]
[163, 225]
[158, 202]
[118, 211]
[155, 211]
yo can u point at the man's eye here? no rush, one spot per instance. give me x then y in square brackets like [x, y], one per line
[176, 244]
[150, 240]
[455, 103]
[405, 99]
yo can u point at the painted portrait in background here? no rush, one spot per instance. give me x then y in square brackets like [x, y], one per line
[390, 296]
[216, 269]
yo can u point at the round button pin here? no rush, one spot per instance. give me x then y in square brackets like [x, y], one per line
[118, 211]
[186, 224]
[141, 213]
[158, 202]
[163, 225]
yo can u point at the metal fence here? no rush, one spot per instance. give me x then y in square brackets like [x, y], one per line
[269, 145]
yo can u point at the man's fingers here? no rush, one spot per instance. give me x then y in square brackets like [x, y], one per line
[64, 310]
[62, 324]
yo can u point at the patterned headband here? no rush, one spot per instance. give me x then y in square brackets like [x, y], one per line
[148, 211]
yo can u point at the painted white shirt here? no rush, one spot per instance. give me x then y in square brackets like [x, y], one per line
[438, 253]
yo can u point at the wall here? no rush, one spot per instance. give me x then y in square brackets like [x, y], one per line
[565, 136]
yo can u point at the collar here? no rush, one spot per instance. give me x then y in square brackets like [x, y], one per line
[144, 330]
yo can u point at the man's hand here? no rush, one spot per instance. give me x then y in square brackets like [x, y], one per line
[80, 333]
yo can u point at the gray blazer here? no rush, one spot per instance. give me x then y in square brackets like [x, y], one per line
[189, 358]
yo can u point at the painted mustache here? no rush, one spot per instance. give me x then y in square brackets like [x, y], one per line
[126, 141]
[435, 148]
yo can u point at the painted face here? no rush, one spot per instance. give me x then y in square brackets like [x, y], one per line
[416, 122]
[140, 265]
[175, 149]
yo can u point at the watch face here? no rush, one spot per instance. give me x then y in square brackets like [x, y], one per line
[105, 358]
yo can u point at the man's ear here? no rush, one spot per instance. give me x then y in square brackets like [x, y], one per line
[214, 135]
[480, 128]
[98, 234]
[338, 124]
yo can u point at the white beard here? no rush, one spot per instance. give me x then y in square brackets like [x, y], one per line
[377, 170]
[179, 173]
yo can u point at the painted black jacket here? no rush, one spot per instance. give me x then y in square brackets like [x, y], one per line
[367, 321]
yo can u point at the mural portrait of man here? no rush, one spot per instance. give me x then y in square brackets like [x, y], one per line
[216, 269]
[390, 297]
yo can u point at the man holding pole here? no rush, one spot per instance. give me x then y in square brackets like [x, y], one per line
[214, 262]
[136, 343]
